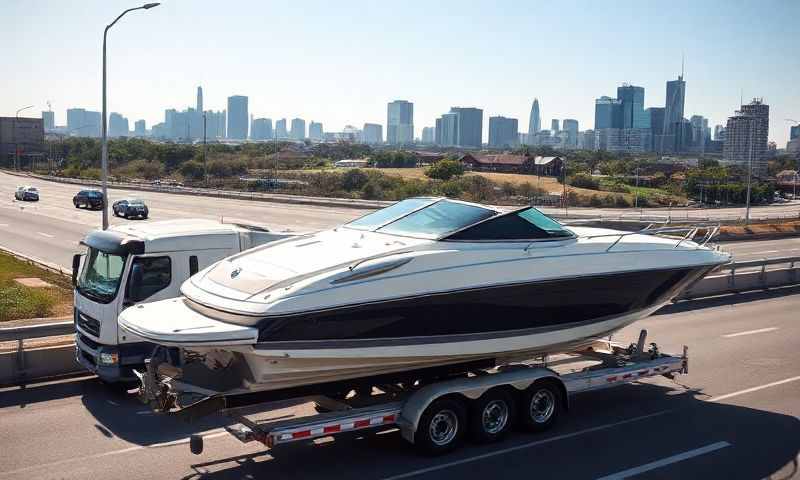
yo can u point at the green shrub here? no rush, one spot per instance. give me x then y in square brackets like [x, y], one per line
[354, 179]
[583, 180]
[445, 170]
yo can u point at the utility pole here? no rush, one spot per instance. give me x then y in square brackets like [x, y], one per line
[749, 171]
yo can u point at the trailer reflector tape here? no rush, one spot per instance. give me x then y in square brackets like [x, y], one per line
[331, 428]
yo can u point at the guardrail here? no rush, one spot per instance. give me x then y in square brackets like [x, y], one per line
[735, 277]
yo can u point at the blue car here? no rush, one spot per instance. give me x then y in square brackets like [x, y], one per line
[27, 194]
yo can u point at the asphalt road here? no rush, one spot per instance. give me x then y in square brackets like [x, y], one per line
[50, 229]
[735, 415]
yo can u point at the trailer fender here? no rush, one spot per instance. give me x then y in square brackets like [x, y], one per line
[471, 388]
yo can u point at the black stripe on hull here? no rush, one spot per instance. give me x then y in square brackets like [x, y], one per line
[493, 311]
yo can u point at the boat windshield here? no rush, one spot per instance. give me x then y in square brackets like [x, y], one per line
[525, 224]
[437, 219]
[101, 274]
[383, 216]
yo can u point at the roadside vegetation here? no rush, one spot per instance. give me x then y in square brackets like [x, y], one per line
[19, 302]
[594, 178]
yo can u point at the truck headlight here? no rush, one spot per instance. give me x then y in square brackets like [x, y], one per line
[109, 358]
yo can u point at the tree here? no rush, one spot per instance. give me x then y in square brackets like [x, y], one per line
[354, 179]
[192, 170]
[445, 170]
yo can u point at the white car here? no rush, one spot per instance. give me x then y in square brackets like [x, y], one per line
[25, 193]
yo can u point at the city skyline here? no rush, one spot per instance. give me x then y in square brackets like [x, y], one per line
[356, 92]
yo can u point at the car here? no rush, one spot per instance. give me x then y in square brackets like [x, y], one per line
[89, 198]
[27, 193]
[130, 207]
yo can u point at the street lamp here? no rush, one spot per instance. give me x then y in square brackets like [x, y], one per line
[16, 146]
[104, 157]
[749, 171]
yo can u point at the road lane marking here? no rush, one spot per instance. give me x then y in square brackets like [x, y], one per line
[666, 461]
[524, 446]
[750, 332]
[45, 234]
[3, 224]
[754, 389]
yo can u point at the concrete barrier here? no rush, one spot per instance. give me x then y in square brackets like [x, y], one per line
[26, 365]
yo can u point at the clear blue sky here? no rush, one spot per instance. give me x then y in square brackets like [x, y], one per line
[341, 62]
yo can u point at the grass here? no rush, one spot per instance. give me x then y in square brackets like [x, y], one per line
[18, 302]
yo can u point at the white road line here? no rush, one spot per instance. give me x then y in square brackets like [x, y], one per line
[524, 446]
[666, 461]
[754, 389]
[750, 332]
[45, 234]
[3, 224]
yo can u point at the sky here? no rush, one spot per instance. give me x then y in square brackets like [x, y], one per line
[341, 62]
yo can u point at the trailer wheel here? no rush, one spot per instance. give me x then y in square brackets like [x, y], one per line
[196, 444]
[441, 426]
[541, 406]
[492, 415]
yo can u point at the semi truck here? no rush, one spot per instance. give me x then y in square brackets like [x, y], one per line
[144, 262]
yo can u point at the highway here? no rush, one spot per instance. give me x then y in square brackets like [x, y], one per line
[735, 415]
[50, 229]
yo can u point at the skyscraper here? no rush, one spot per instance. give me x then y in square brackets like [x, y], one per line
[139, 128]
[400, 122]
[607, 113]
[83, 123]
[746, 137]
[469, 126]
[372, 133]
[554, 126]
[673, 114]
[535, 121]
[794, 132]
[117, 125]
[49, 120]
[571, 127]
[200, 100]
[262, 129]
[719, 133]
[632, 98]
[237, 117]
[280, 129]
[656, 115]
[428, 135]
[315, 131]
[503, 132]
[447, 130]
[298, 129]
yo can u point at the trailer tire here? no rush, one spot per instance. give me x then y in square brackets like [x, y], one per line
[542, 405]
[196, 444]
[442, 426]
[492, 416]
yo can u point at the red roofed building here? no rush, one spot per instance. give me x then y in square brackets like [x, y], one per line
[509, 163]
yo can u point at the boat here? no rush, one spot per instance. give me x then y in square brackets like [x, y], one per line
[423, 284]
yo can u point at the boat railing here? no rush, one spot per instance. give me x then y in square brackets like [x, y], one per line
[689, 232]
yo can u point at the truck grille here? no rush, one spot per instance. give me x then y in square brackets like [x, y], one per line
[87, 323]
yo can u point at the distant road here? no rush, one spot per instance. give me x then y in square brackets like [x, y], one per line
[51, 228]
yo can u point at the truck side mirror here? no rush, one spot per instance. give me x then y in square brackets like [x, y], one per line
[76, 264]
[135, 283]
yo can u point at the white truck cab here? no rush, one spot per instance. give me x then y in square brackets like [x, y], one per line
[143, 262]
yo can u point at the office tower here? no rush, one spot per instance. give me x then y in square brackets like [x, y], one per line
[139, 128]
[237, 117]
[373, 133]
[400, 122]
[215, 124]
[469, 126]
[83, 123]
[298, 131]
[719, 133]
[673, 114]
[607, 113]
[570, 126]
[49, 120]
[746, 137]
[280, 129]
[315, 131]
[428, 135]
[656, 118]
[503, 132]
[587, 140]
[261, 129]
[117, 125]
[794, 132]
[447, 130]
[199, 106]
[632, 99]
[535, 120]
[554, 125]
[75, 119]
[698, 140]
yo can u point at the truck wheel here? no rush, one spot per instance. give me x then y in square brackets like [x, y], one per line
[491, 416]
[196, 444]
[441, 427]
[542, 404]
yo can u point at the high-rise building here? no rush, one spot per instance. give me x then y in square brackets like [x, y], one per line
[632, 99]
[83, 123]
[794, 132]
[699, 126]
[139, 128]
[261, 129]
[719, 133]
[428, 135]
[372, 133]
[215, 124]
[570, 126]
[117, 125]
[49, 120]
[199, 106]
[586, 140]
[237, 117]
[298, 129]
[503, 132]
[469, 126]
[400, 122]
[673, 115]
[746, 137]
[315, 131]
[554, 127]
[656, 118]
[280, 129]
[607, 113]
[535, 121]
[447, 130]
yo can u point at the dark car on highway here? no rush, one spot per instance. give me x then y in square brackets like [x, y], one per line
[89, 198]
[130, 207]
[27, 194]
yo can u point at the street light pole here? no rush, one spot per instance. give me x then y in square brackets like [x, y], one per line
[104, 151]
[16, 145]
[749, 172]
[205, 162]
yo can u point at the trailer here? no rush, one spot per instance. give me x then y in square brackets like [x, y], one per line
[483, 404]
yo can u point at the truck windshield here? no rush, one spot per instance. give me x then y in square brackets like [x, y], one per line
[100, 276]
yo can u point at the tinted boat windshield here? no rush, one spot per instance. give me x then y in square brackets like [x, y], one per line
[525, 224]
[437, 219]
[100, 276]
[392, 212]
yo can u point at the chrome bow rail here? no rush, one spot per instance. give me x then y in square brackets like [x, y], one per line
[691, 231]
